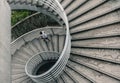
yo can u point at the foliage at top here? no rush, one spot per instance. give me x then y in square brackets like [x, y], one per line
[19, 15]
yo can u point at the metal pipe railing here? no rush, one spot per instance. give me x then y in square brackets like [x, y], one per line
[64, 56]
[33, 63]
[15, 44]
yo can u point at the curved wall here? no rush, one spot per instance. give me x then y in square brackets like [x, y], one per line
[5, 35]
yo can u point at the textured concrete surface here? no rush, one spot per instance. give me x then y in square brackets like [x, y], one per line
[5, 34]
[95, 51]
[29, 49]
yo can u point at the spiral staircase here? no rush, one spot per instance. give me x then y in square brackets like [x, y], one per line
[90, 55]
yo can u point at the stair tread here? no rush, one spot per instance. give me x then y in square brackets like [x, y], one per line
[20, 80]
[74, 5]
[97, 12]
[97, 76]
[99, 22]
[17, 71]
[111, 30]
[43, 43]
[86, 7]
[61, 43]
[76, 76]
[37, 44]
[111, 68]
[66, 78]
[18, 76]
[26, 49]
[32, 47]
[65, 3]
[102, 54]
[50, 43]
[55, 43]
[59, 80]
[110, 43]
[19, 54]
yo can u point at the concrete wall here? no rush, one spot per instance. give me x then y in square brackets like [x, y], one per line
[5, 36]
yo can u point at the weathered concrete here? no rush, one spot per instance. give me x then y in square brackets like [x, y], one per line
[5, 34]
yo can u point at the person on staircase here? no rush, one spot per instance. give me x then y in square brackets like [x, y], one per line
[44, 36]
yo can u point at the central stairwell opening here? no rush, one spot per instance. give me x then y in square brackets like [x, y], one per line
[40, 64]
[44, 66]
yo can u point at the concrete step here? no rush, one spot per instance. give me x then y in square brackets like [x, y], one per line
[75, 4]
[106, 31]
[112, 56]
[17, 71]
[27, 81]
[18, 61]
[26, 49]
[93, 74]
[58, 31]
[25, 54]
[61, 43]
[20, 78]
[50, 44]
[97, 12]
[77, 77]
[108, 19]
[62, 79]
[86, 77]
[108, 43]
[59, 80]
[55, 43]
[66, 78]
[85, 8]
[108, 68]
[17, 66]
[21, 55]
[44, 45]
[16, 45]
[65, 3]
[37, 45]
[18, 58]
[32, 47]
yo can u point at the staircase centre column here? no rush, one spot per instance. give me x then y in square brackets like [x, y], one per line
[5, 38]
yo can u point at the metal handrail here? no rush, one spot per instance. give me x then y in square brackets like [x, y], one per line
[41, 53]
[33, 31]
[62, 61]
[13, 43]
[64, 56]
